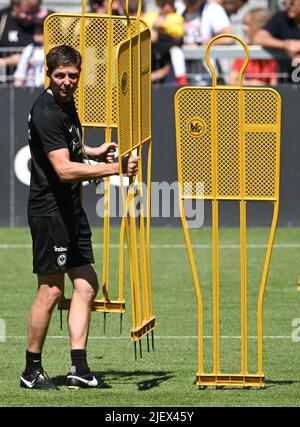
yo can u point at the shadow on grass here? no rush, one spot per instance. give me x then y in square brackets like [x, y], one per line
[273, 383]
[154, 382]
[157, 377]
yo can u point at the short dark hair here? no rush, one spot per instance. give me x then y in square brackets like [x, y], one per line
[62, 55]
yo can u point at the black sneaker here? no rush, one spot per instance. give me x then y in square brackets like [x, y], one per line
[38, 380]
[83, 381]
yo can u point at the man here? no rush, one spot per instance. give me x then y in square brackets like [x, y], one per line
[283, 32]
[167, 30]
[204, 20]
[17, 28]
[59, 227]
[232, 6]
[30, 69]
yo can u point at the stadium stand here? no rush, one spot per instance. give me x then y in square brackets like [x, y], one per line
[191, 55]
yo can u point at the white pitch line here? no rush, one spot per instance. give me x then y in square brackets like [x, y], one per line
[170, 246]
[225, 246]
[224, 337]
[15, 246]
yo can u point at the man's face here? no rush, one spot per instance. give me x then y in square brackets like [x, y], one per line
[26, 12]
[292, 8]
[64, 81]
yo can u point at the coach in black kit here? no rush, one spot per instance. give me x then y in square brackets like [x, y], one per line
[59, 227]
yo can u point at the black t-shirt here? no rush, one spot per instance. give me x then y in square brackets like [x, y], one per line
[53, 126]
[14, 33]
[282, 27]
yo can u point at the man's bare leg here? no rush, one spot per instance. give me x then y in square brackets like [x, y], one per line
[85, 286]
[49, 291]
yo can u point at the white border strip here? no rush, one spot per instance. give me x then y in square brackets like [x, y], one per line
[170, 246]
[169, 337]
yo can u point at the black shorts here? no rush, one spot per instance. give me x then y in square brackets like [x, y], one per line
[60, 243]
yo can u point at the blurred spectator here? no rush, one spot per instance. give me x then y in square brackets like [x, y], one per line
[204, 20]
[101, 7]
[167, 30]
[96, 6]
[160, 65]
[232, 6]
[30, 70]
[282, 31]
[166, 20]
[17, 28]
[259, 72]
[160, 56]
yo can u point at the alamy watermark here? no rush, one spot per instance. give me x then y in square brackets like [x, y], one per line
[296, 332]
[2, 330]
[164, 203]
[296, 71]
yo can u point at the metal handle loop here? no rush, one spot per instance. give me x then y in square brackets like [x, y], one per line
[210, 65]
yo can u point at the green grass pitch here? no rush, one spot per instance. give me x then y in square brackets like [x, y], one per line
[164, 377]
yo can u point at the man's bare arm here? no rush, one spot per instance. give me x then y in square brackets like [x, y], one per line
[11, 60]
[265, 39]
[68, 171]
[102, 153]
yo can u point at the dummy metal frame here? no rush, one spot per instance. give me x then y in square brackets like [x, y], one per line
[217, 378]
[131, 92]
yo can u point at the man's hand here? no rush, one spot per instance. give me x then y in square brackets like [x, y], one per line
[108, 153]
[292, 47]
[130, 165]
[103, 153]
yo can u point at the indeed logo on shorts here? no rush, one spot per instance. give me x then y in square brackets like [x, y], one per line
[60, 249]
